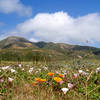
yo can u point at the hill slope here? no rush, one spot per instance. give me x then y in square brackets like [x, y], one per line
[15, 42]
[21, 48]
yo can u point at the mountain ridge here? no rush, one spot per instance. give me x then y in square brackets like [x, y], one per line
[20, 46]
[40, 44]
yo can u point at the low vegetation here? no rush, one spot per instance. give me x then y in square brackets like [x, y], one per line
[70, 80]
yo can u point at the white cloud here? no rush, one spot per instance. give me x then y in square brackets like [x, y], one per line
[61, 27]
[10, 6]
[33, 40]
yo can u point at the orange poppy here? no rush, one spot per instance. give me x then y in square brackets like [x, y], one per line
[43, 80]
[60, 75]
[50, 74]
[37, 79]
[57, 79]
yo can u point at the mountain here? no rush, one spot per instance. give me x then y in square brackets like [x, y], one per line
[68, 49]
[15, 42]
[19, 48]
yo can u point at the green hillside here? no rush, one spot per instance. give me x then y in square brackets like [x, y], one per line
[20, 49]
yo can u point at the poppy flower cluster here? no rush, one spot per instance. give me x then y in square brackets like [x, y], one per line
[40, 80]
[56, 79]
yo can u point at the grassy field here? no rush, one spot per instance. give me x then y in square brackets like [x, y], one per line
[66, 80]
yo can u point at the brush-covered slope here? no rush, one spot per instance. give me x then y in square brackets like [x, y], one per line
[21, 48]
[68, 49]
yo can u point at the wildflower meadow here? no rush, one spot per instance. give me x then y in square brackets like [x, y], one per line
[40, 81]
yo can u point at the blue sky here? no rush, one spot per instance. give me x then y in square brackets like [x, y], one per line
[30, 15]
[73, 7]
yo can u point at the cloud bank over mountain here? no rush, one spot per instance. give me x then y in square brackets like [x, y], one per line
[61, 27]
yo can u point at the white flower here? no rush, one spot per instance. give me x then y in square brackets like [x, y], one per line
[65, 73]
[1, 80]
[84, 73]
[22, 69]
[39, 69]
[98, 70]
[45, 68]
[87, 70]
[80, 71]
[36, 72]
[70, 86]
[57, 72]
[13, 71]
[20, 65]
[65, 90]
[6, 67]
[10, 79]
[30, 70]
[76, 75]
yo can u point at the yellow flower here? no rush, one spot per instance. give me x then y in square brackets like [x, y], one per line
[43, 80]
[50, 74]
[57, 79]
[40, 80]
[37, 79]
[60, 75]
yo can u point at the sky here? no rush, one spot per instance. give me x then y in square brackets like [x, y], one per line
[64, 21]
